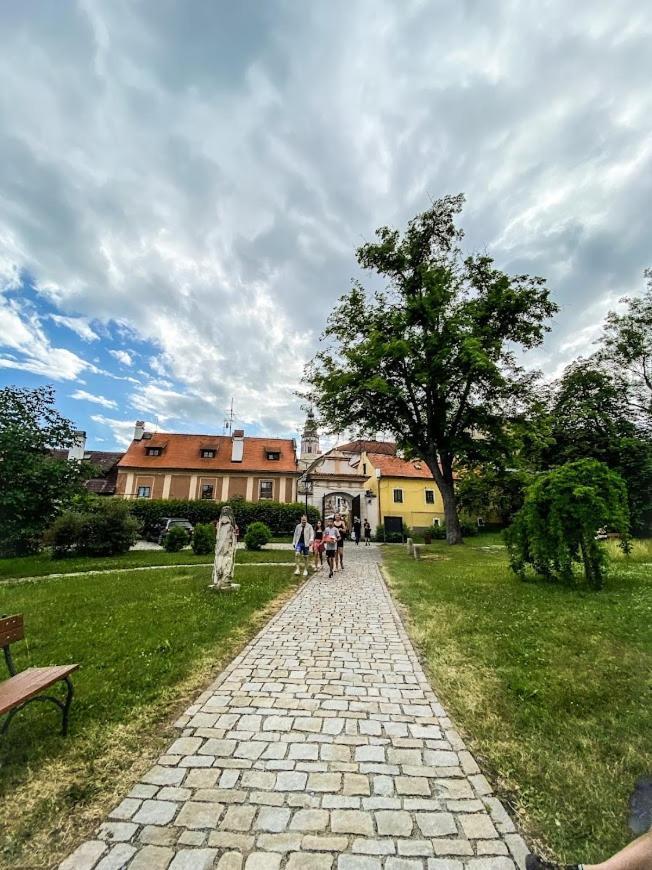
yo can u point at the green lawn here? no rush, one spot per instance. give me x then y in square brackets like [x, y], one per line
[147, 643]
[43, 563]
[550, 685]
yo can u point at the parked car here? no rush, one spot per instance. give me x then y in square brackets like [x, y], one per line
[160, 530]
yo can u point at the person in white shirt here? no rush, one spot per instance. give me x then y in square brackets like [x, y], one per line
[301, 542]
[330, 539]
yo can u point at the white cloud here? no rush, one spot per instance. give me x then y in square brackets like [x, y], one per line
[24, 345]
[122, 356]
[122, 431]
[80, 325]
[89, 397]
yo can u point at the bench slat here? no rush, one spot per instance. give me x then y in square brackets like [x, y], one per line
[30, 682]
[11, 629]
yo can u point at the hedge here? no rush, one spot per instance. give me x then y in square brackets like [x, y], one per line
[279, 516]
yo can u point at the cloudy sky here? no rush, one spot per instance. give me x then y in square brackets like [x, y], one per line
[183, 183]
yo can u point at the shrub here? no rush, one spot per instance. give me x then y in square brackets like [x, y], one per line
[393, 537]
[280, 517]
[203, 539]
[557, 525]
[100, 527]
[64, 534]
[176, 539]
[258, 534]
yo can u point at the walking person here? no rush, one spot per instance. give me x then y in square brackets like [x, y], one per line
[318, 546]
[330, 539]
[340, 525]
[637, 855]
[357, 529]
[367, 533]
[301, 542]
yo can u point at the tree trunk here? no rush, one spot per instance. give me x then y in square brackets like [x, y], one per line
[444, 479]
[453, 530]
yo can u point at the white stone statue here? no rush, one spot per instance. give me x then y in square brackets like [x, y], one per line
[225, 546]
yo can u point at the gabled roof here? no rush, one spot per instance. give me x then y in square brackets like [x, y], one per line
[183, 452]
[394, 466]
[362, 445]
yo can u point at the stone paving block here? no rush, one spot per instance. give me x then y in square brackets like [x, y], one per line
[192, 838]
[324, 782]
[126, 809]
[371, 846]
[164, 776]
[394, 823]
[118, 857]
[356, 783]
[324, 843]
[153, 835]
[411, 785]
[477, 826]
[116, 832]
[444, 864]
[230, 840]
[291, 780]
[195, 814]
[238, 818]
[153, 812]
[403, 864]
[436, 824]
[457, 846]
[351, 822]
[308, 861]
[152, 858]
[273, 819]
[358, 862]
[310, 820]
[230, 861]
[281, 842]
[85, 856]
[494, 863]
[263, 861]
[491, 847]
[414, 848]
[194, 859]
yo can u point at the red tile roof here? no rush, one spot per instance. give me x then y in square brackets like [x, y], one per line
[183, 452]
[368, 446]
[394, 466]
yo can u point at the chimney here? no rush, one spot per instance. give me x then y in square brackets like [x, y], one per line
[139, 430]
[237, 445]
[78, 447]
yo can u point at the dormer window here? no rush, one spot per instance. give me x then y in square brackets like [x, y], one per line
[207, 454]
[154, 451]
[273, 454]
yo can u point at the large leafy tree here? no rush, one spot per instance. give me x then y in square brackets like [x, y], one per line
[591, 417]
[33, 484]
[430, 358]
[626, 348]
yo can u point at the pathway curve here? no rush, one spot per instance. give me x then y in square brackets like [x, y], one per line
[321, 747]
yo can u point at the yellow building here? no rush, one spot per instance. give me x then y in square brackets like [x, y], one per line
[402, 488]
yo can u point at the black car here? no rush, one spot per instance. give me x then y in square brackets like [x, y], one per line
[160, 530]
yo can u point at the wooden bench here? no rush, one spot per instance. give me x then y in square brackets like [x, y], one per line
[24, 687]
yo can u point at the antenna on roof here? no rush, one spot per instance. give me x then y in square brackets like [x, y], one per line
[228, 423]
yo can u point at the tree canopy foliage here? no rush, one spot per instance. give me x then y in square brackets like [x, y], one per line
[33, 484]
[430, 358]
[626, 349]
[557, 525]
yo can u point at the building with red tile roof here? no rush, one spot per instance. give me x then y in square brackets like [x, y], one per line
[215, 467]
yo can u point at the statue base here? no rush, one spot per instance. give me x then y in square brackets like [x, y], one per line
[225, 588]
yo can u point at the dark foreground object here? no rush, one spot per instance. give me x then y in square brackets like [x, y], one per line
[24, 687]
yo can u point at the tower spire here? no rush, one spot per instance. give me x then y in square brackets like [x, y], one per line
[310, 438]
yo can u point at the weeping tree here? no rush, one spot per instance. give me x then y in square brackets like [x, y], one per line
[556, 527]
[430, 359]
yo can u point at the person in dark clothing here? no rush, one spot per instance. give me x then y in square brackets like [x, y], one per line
[367, 533]
[357, 529]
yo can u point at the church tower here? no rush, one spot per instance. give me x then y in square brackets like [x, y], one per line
[309, 440]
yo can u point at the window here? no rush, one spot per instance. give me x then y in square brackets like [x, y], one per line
[144, 491]
[364, 467]
[430, 496]
[273, 454]
[266, 489]
[207, 454]
[436, 522]
[154, 451]
[207, 490]
[398, 496]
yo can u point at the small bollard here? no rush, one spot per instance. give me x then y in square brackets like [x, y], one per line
[417, 550]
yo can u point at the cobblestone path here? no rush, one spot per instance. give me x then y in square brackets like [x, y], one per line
[321, 747]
